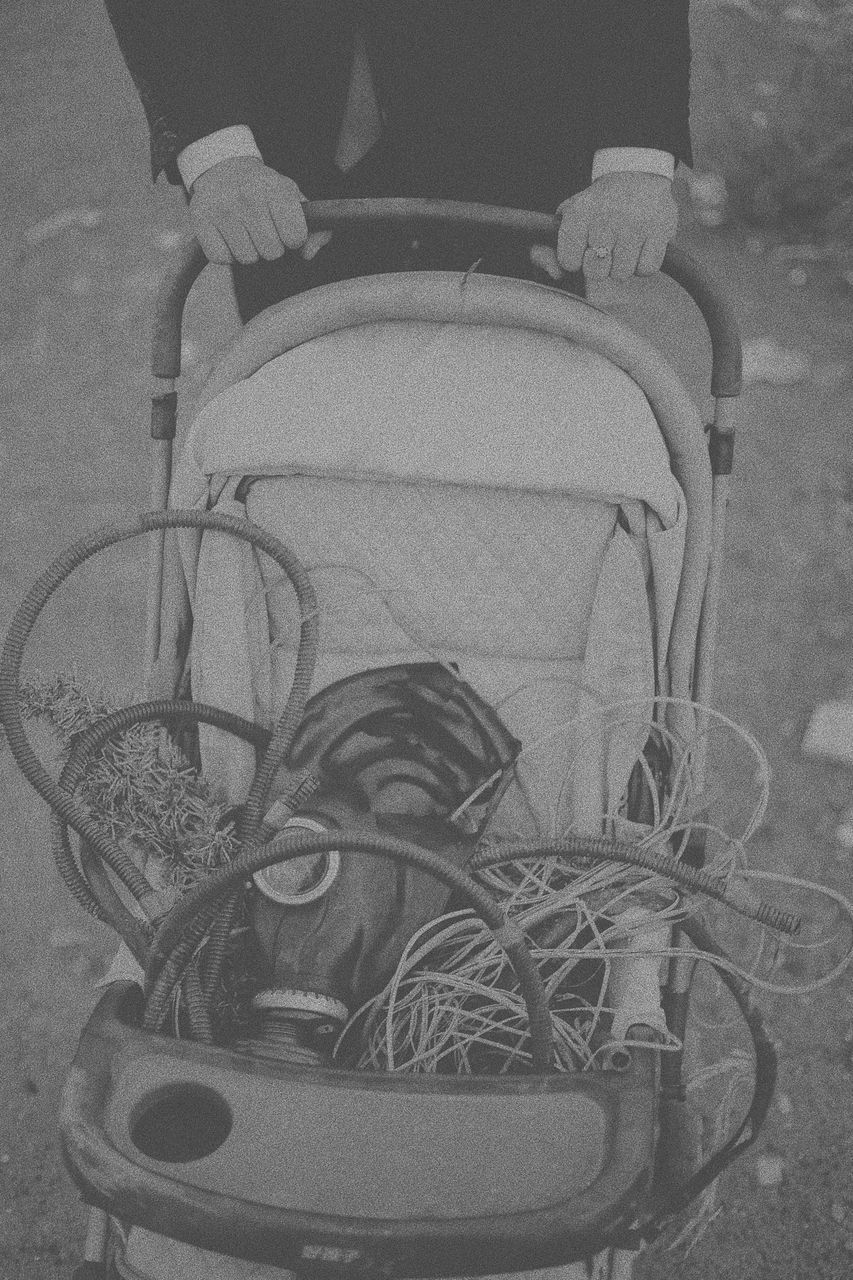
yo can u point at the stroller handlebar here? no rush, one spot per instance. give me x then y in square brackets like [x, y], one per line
[332, 215]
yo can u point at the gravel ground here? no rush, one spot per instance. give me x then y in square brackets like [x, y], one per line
[74, 316]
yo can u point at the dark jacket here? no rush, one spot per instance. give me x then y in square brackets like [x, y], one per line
[503, 101]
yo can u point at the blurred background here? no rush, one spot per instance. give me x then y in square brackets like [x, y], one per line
[773, 113]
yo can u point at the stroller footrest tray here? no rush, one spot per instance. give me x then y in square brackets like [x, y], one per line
[323, 1169]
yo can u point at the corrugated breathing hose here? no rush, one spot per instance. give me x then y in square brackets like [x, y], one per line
[202, 912]
[68, 812]
[169, 956]
[297, 844]
[738, 896]
[89, 884]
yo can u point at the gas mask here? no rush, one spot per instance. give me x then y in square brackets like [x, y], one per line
[409, 751]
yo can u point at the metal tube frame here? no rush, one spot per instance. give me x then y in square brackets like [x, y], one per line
[726, 385]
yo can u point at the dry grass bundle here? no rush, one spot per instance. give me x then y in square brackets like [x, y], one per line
[141, 786]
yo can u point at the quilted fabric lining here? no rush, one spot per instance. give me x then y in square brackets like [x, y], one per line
[486, 572]
[487, 497]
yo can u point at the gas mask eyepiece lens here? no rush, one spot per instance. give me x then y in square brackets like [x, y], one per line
[300, 880]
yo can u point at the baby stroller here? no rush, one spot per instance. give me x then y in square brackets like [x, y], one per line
[428, 524]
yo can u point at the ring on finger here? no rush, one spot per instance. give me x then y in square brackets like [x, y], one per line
[600, 251]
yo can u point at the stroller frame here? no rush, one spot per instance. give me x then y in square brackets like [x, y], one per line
[477, 300]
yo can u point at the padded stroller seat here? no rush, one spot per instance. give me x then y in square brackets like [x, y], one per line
[487, 496]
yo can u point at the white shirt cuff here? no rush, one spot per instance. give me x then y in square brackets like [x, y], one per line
[225, 144]
[633, 160]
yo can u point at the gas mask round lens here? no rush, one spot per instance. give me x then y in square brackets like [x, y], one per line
[300, 880]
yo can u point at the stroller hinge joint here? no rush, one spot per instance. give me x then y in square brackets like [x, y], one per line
[164, 413]
[721, 447]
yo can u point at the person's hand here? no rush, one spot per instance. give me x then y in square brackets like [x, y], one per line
[241, 211]
[618, 227]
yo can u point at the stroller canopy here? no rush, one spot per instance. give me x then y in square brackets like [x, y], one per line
[477, 493]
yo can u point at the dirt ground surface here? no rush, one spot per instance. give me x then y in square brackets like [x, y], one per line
[82, 241]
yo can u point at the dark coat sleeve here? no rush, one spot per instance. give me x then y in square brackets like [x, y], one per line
[189, 69]
[278, 66]
[530, 87]
[506, 101]
[642, 80]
